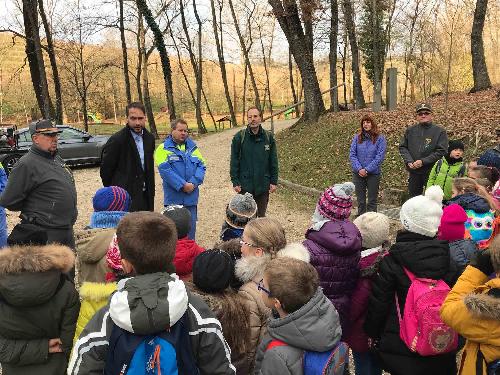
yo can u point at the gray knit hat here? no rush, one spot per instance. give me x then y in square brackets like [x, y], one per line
[240, 210]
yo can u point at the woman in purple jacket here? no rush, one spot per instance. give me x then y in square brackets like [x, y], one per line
[367, 154]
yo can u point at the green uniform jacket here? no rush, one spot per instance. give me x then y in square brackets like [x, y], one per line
[254, 162]
[444, 177]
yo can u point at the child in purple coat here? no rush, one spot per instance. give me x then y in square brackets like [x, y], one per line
[374, 228]
[335, 246]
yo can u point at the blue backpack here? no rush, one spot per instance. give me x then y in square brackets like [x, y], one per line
[331, 362]
[166, 353]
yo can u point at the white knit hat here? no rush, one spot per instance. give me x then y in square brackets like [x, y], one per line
[374, 229]
[422, 214]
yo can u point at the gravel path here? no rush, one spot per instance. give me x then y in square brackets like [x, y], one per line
[214, 193]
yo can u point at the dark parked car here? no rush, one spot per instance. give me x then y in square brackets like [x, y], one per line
[75, 146]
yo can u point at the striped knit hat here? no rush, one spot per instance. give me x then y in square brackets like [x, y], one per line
[111, 198]
[336, 202]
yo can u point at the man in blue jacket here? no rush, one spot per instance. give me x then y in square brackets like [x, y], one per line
[182, 169]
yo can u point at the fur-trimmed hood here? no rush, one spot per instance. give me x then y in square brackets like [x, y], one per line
[251, 267]
[295, 250]
[20, 259]
[31, 275]
[484, 305]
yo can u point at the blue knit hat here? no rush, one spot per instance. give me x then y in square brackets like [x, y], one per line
[111, 198]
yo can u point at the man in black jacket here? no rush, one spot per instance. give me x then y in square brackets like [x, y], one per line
[422, 145]
[42, 187]
[127, 160]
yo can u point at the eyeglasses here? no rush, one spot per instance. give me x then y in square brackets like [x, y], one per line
[423, 113]
[260, 286]
[246, 243]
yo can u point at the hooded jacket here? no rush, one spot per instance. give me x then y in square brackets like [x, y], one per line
[145, 305]
[177, 167]
[335, 252]
[313, 327]
[424, 257]
[473, 310]
[94, 296]
[445, 175]
[91, 248]
[37, 303]
[185, 252]
[369, 264]
[250, 270]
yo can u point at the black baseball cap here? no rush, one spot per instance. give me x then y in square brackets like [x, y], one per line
[43, 127]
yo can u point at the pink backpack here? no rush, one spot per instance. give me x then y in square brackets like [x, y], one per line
[421, 327]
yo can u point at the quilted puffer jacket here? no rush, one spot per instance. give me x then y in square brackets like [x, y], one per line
[335, 252]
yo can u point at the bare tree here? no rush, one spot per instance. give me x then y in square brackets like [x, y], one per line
[479, 68]
[34, 54]
[334, 32]
[245, 55]
[222, 63]
[162, 50]
[196, 64]
[292, 85]
[124, 51]
[287, 14]
[356, 73]
[53, 64]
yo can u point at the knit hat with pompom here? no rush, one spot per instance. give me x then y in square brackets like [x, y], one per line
[336, 202]
[422, 214]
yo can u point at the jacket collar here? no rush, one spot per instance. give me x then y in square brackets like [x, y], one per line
[38, 151]
[169, 143]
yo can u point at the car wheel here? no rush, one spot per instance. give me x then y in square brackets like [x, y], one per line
[9, 162]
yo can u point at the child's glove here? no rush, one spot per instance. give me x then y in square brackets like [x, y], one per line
[482, 261]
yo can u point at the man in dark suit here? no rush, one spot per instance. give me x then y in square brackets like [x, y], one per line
[127, 160]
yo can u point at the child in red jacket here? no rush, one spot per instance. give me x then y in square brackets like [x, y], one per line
[186, 249]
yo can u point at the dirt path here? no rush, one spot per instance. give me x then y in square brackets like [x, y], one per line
[214, 193]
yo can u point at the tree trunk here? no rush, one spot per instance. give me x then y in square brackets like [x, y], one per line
[124, 53]
[334, 32]
[479, 68]
[53, 64]
[245, 54]
[140, 32]
[377, 77]
[222, 63]
[344, 57]
[292, 85]
[287, 15]
[162, 50]
[35, 58]
[356, 73]
[145, 84]
[244, 100]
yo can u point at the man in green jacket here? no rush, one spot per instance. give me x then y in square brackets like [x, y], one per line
[254, 161]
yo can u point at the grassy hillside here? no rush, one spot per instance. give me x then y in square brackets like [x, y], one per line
[317, 154]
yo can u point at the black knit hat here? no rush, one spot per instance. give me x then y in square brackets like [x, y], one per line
[213, 270]
[454, 145]
[181, 218]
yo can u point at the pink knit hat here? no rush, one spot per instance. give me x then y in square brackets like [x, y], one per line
[336, 202]
[113, 256]
[452, 226]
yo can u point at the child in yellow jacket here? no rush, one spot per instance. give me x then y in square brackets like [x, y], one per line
[472, 309]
